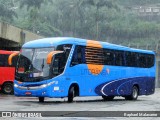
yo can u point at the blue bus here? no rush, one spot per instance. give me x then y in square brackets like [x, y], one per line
[68, 67]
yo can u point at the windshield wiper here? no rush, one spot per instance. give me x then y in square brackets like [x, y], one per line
[42, 65]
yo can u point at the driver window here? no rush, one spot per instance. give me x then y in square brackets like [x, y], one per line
[58, 64]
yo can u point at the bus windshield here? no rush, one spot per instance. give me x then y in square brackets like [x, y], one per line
[32, 64]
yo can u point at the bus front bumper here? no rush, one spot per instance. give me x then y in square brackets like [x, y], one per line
[36, 91]
[44, 90]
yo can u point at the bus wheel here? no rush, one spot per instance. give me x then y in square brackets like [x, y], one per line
[134, 94]
[41, 99]
[107, 98]
[7, 88]
[71, 94]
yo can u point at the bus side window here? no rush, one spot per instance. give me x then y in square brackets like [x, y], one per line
[150, 61]
[4, 60]
[14, 63]
[78, 56]
[108, 57]
[142, 61]
[1, 60]
[66, 48]
[58, 64]
[131, 59]
[119, 58]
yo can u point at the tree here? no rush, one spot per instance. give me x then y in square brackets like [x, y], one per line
[33, 3]
[90, 19]
[99, 4]
[7, 9]
[34, 17]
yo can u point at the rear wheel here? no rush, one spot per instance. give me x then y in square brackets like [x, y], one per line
[7, 88]
[41, 99]
[134, 94]
[71, 94]
[107, 98]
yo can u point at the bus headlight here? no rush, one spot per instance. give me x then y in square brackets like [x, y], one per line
[44, 85]
[15, 85]
[51, 83]
[33, 87]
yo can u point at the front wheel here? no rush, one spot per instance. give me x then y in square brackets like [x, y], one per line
[41, 99]
[71, 94]
[134, 94]
[7, 88]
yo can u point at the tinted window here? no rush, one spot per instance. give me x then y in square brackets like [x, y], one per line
[66, 48]
[119, 58]
[142, 60]
[4, 60]
[78, 55]
[92, 55]
[108, 57]
[150, 60]
[131, 59]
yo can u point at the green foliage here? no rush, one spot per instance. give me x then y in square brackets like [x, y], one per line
[33, 3]
[105, 20]
[7, 12]
[136, 2]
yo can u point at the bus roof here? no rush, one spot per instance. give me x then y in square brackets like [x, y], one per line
[51, 42]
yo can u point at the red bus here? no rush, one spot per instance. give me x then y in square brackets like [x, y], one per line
[7, 72]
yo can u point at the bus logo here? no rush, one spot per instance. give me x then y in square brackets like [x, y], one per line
[6, 114]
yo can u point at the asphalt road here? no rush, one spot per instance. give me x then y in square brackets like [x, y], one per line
[81, 104]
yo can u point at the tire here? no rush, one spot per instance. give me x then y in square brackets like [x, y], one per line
[41, 99]
[7, 88]
[134, 94]
[107, 98]
[71, 94]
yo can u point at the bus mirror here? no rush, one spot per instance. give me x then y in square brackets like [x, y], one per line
[11, 57]
[51, 54]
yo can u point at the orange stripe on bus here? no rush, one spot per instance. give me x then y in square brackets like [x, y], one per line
[50, 55]
[93, 68]
[11, 57]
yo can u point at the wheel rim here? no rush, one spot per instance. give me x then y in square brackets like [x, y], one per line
[8, 89]
[135, 93]
[73, 93]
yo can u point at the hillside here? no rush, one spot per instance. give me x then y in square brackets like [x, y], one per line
[115, 21]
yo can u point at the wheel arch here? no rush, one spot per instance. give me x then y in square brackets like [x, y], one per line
[7, 82]
[76, 87]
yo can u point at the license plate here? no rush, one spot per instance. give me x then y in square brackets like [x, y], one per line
[28, 93]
